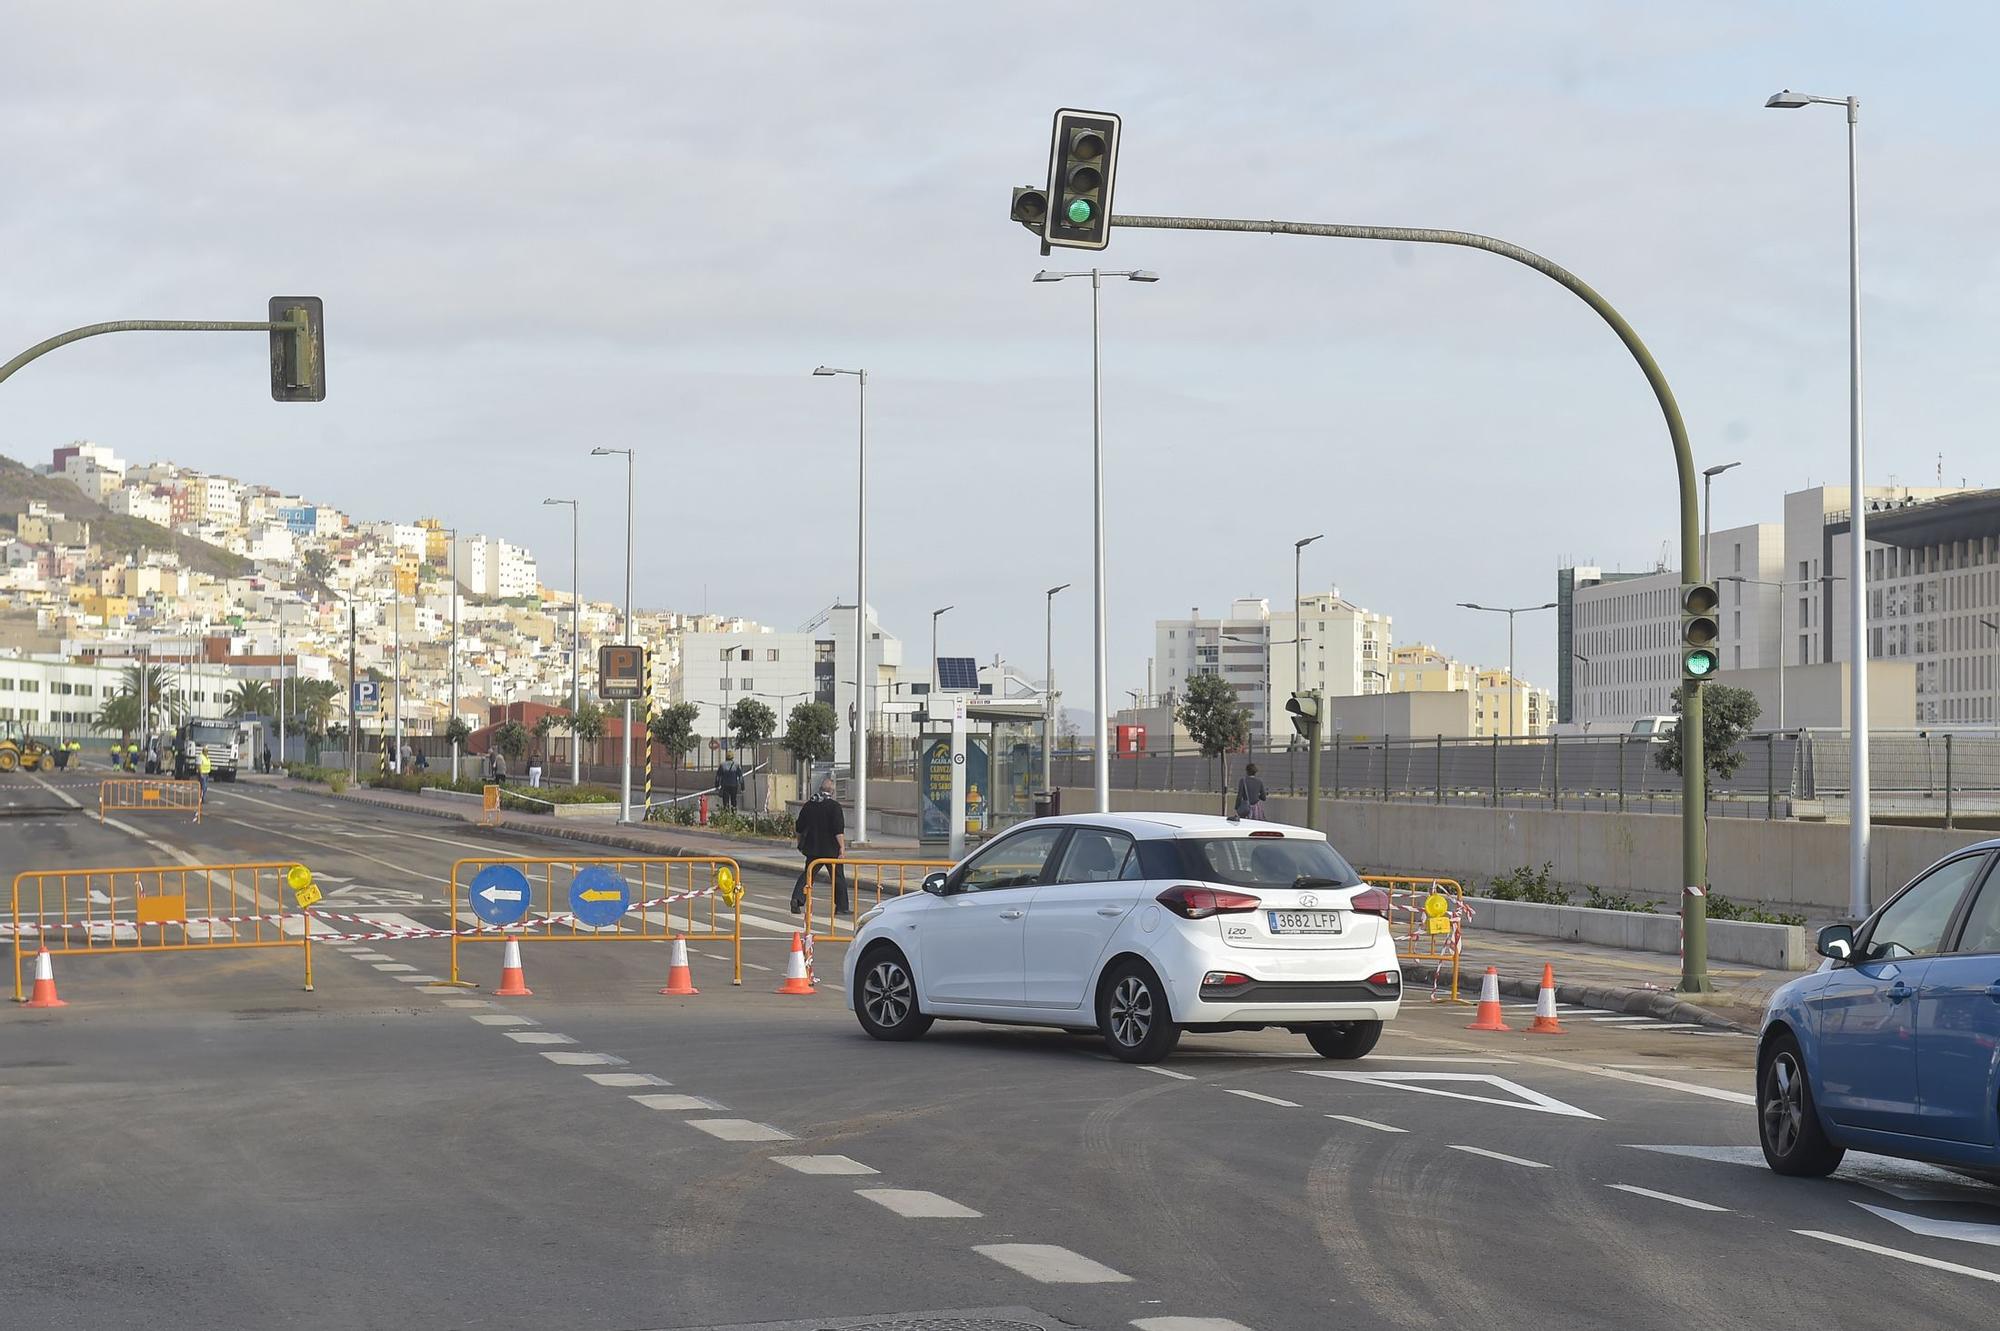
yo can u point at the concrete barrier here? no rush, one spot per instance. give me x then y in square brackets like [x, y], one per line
[1772, 946]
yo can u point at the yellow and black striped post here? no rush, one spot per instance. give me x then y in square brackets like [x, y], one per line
[646, 729]
[383, 769]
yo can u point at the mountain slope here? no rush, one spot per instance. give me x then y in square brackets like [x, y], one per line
[115, 533]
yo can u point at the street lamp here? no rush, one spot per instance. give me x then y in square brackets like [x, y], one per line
[625, 775]
[1513, 685]
[861, 668]
[455, 745]
[1101, 686]
[1298, 616]
[1708, 476]
[1049, 684]
[575, 648]
[1857, 837]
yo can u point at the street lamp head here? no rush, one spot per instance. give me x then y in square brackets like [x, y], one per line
[1142, 275]
[823, 372]
[1046, 275]
[1718, 470]
[1470, 605]
[1053, 590]
[1302, 544]
[936, 613]
[1787, 100]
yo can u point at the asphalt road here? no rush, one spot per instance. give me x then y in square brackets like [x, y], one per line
[195, 1142]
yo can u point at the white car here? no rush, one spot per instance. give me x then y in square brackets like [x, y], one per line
[1139, 926]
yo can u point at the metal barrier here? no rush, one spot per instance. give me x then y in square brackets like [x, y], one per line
[885, 877]
[151, 909]
[1427, 919]
[629, 898]
[148, 794]
[489, 806]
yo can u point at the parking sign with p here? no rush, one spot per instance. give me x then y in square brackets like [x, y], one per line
[621, 673]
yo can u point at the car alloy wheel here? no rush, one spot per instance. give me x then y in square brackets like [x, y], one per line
[887, 994]
[1784, 1105]
[1131, 1011]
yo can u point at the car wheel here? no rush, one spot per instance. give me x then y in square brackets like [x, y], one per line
[1133, 1017]
[1788, 1126]
[1343, 1039]
[885, 997]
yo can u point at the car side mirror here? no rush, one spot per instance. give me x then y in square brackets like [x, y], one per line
[1836, 941]
[934, 883]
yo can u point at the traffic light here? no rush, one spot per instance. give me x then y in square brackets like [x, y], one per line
[1083, 160]
[1701, 632]
[1304, 708]
[298, 352]
[1030, 207]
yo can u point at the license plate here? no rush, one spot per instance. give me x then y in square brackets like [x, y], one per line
[1304, 921]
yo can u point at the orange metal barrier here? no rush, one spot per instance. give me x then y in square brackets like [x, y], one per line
[197, 908]
[696, 897]
[881, 877]
[1427, 918]
[147, 794]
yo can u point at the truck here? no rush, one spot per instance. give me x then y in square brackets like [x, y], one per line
[220, 740]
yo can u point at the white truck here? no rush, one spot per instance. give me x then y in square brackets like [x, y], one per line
[220, 740]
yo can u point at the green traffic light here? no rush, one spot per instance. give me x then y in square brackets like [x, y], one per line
[1080, 211]
[1700, 664]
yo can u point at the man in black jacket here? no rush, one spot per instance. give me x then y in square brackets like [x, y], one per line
[822, 829]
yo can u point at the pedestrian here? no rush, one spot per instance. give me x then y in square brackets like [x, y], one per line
[535, 770]
[729, 782]
[202, 767]
[822, 831]
[267, 760]
[1250, 794]
[423, 761]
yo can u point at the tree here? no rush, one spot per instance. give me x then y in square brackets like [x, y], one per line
[672, 728]
[313, 703]
[163, 701]
[119, 715]
[590, 723]
[456, 731]
[1726, 717]
[1216, 719]
[809, 736]
[753, 723]
[251, 698]
[546, 722]
[511, 738]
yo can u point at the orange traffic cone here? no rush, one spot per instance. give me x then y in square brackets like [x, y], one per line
[680, 980]
[796, 981]
[45, 982]
[513, 984]
[1545, 1022]
[1488, 1016]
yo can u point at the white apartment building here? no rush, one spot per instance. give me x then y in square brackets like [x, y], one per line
[487, 565]
[142, 502]
[716, 670]
[216, 499]
[60, 698]
[1345, 651]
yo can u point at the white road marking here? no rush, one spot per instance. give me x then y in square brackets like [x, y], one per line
[1188, 1324]
[468, 1002]
[1432, 1058]
[371, 956]
[822, 1164]
[916, 1204]
[1640, 1078]
[1427, 1083]
[1688, 1202]
[502, 1019]
[419, 979]
[1934, 1263]
[1672, 1026]
[1050, 1264]
[1498, 1155]
[1267, 1099]
[538, 1037]
[570, 1058]
[675, 1101]
[1367, 1123]
[740, 1130]
[1164, 1072]
[1964, 1231]
[440, 989]
[627, 1079]
[393, 966]
[1619, 1021]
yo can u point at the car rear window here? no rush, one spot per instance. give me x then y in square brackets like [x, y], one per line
[1263, 861]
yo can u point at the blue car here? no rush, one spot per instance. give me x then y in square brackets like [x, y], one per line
[1893, 1044]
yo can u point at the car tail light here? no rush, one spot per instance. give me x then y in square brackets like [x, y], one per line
[1374, 901]
[1277, 835]
[1198, 903]
[1387, 979]
[1223, 980]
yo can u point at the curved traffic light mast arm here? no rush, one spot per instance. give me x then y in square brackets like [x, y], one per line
[41, 349]
[1694, 839]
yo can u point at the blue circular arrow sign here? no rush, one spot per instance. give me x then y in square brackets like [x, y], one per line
[499, 894]
[598, 896]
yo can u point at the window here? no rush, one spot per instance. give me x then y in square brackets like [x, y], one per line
[1982, 923]
[31, 686]
[746, 683]
[747, 654]
[1014, 861]
[1913, 925]
[725, 684]
[1097, 856]
[770, 653]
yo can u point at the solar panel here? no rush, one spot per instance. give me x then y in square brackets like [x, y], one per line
[958, 673]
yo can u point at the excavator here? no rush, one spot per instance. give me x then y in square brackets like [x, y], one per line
[27, 754]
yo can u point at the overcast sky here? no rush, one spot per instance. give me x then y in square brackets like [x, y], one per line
[542, 228]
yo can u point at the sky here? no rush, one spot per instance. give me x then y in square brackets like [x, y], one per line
[540, 229]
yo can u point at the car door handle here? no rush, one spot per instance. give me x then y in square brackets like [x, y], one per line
[1012, 914]
[1120, 910]
[1899, 991]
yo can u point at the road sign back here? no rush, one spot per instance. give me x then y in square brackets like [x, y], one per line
[499, 894]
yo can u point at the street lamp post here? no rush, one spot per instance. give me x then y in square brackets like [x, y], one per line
[1708, 476]
[575, 647]
[935, 616]
[1857, 840]
[1101, 686]
[1298, 616]
[861, 667]
[451, 726]
[1513, 685]
[625, 768]
[1049, 685]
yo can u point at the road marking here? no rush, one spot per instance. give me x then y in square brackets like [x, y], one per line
[468, 1002]
[1964, 1231]
[1050, 1264]
[1427, 1083]
[538, 1037]
[439, 989]
[916, 1204]
[1188, 1324]
[1366, 1123]
[627, 1079]
[1164, 1072]
[1641, 1079]
[420, 979]
[570, 1058]
[822, 1164]
[371, 956]
[1619, 1021]
[393, 966]
[1688, 1202]
[740, 1130]
[1432, 1058]
[675, 1101]
[1267, 1099]
[1673, 1026]
[1934, 1263]
[502, 1019]
[1499, 1155]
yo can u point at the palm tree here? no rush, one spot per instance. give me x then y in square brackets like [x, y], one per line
[251, 698]
[119, 715]
[314, 701]
[163, 700]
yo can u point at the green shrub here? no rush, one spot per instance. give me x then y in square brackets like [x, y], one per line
[1525, 884]
[1603, 900]
[1722, 908]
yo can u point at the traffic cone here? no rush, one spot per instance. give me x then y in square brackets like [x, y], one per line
[513, 984]
[45, 982]
[1545, 1022]
[795, 969]
[680, 980]
[1487, 1018]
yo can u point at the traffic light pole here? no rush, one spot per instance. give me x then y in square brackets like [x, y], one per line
[1315, 743]
[1694, 802]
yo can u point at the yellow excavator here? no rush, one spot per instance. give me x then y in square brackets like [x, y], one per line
[30, 755]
